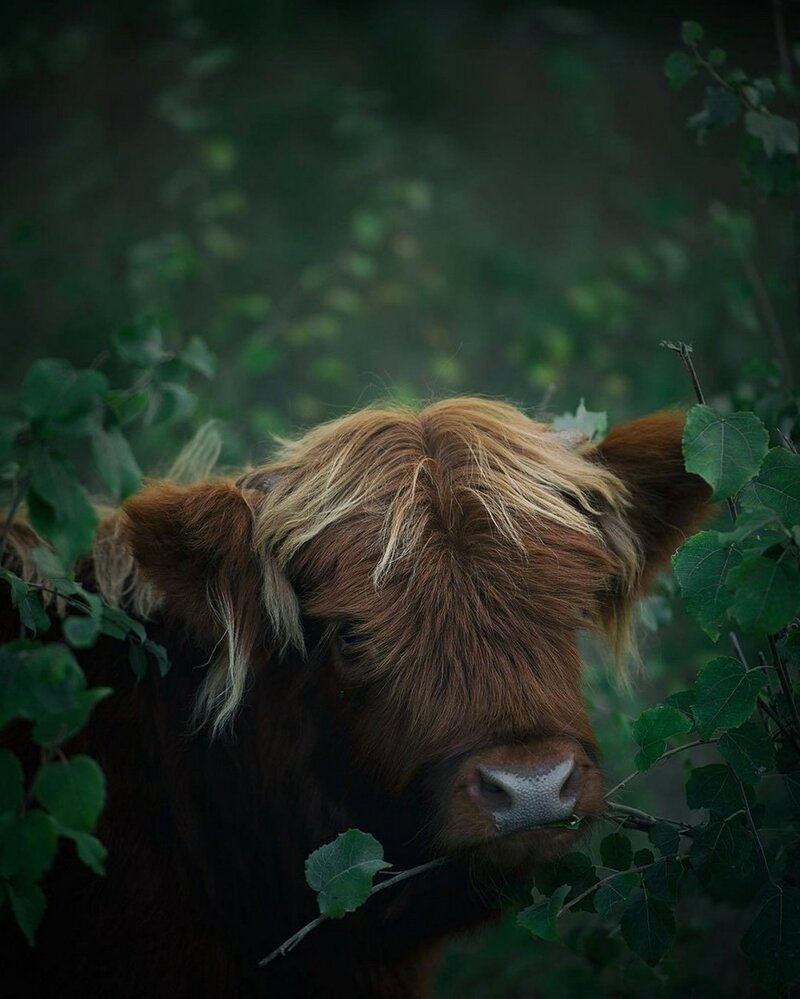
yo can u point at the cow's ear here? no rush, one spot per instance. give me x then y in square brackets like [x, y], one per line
[667, 503]
[186, 539]
[194, 544]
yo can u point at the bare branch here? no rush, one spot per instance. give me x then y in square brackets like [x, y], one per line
[301, 934]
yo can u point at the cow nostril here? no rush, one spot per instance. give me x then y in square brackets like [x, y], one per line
[571, 787]
[493, 796]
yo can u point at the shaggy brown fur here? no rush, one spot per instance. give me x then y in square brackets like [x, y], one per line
[356, 627]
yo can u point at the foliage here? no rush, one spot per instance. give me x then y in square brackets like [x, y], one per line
[318, 235]
[341, 872]
[742, 580]
[64, 417]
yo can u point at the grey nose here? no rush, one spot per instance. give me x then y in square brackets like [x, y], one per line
[524, 799]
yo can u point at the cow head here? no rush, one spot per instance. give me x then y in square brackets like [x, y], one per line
[425, 576]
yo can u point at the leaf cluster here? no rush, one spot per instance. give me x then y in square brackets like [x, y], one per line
[68, 433]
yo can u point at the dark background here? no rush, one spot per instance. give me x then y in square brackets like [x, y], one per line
[397, 200]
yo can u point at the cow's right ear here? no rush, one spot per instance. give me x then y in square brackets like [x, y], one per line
[194, 545]
[666, 503]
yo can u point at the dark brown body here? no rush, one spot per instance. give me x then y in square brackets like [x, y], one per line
[206, 848]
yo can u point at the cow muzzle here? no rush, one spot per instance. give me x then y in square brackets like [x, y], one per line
[529, 794]
[527, 798]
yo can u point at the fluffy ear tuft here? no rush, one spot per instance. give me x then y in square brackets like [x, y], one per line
[187, 538]
[667, 503]
[194, 544]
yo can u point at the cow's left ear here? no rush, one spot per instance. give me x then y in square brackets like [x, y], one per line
[667, 503]
[194, 546]
[188, 540]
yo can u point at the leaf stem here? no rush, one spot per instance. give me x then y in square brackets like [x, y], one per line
[599, 884]
[20, 488]
[664, 756]
[786, 686]
[753, 829]
[296, 938]
[635, 818]
[684, 352]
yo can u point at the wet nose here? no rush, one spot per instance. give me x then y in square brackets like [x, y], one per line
[524, 798]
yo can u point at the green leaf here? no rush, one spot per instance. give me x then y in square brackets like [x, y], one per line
[679, 69]
[54, 394]
[341, 872]
[159, 653]
[662, 879]
[199, 358]
[81, 631]
[127, 405]
[652, 729]
[28, 846]
[773, 939]
[777, 487]
[90, 850]
[583, 422]
[777, 134]
[573, 869]
[140, 343]
[665, 838]
[614, 891]
[767, 592]
[28, 905]
[683, 700]
[115, 463]
[721, 108]
[725, 695]
[175, 403]
[616, 851]
[691, 32]
[137, 659]
[53, 569]
[27, 602]
[541, 920]
[118, 624]
[12, 782]
[725, 450]
[701, 566]
[714, 787]
[749, 751]
[721, 848]
[73, 791]
[648, 927]
[58, 505]
[717, 57]
[45, 685]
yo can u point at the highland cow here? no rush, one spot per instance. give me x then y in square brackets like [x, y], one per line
[378, 630]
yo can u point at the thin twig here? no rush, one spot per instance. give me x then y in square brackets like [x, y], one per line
[637, 819]
[20, 489]
[762, 704]
[684, 352]
[783, 677]
[599, 884]
[296, 938]
[754, 831]
[738, 648]
[669, 752]
[786, 441]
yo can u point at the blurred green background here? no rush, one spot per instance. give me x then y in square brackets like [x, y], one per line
[397, 200]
